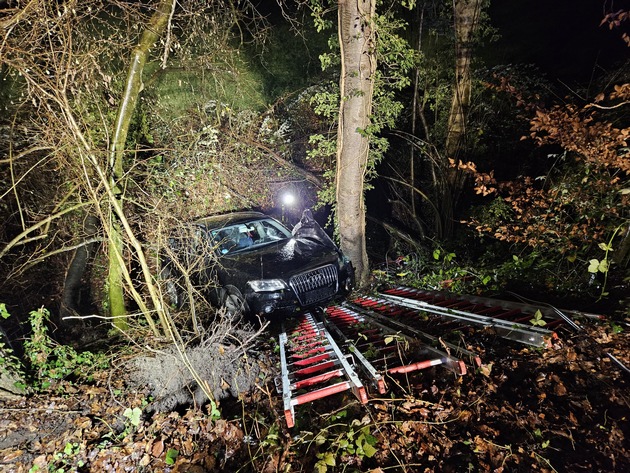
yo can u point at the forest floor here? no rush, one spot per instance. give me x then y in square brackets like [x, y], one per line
[562, 409]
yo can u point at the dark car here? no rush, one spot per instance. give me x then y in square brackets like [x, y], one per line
[249, 262]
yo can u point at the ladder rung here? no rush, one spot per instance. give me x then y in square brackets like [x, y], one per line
[313, 380]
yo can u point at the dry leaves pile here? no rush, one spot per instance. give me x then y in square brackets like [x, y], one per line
[562, 409]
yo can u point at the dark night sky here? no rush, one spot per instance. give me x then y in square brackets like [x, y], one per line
[562, 37]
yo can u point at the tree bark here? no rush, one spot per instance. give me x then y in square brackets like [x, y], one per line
[73, 282]
[152, 31]
[358, 64]
[466, 18]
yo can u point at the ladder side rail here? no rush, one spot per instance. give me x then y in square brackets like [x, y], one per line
[356, 384]
[547, 310]
[450, 362]
[289, 412]
[414, 332]
[467, 316]
[368, 369]
[533, 336]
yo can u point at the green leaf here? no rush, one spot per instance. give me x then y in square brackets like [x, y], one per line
[616, 328]
[388, 340]
[593, 266]
[603, 266]
[369, 450]
[133, 415]
[545, 444]
[68, 449]
[171, 456]
[215, 413]
[605, 247]
[320, 467]
[3, 311]
[329, 459]
[538, 319]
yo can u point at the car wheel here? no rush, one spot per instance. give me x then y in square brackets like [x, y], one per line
[233, 302]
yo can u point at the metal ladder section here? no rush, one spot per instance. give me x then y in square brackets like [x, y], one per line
[517, 311]
[389, 351]
[552, 315]
[313, 366]
[394, 323]
[509, 320]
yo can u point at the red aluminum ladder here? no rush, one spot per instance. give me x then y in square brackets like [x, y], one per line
[444, 313]
[313, 366]
[396, 324]
[389, 351]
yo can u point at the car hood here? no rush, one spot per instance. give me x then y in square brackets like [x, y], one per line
[280, 260]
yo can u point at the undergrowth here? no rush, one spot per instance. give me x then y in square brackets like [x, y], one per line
[47, 362]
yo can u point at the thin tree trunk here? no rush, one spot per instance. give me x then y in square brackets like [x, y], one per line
[466, 17]
[414, 115]
[152, 31]
[358, 64]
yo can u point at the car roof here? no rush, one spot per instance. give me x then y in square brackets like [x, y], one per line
[218, 221]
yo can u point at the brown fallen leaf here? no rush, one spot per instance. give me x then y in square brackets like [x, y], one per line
[559, 389]
[12, 456]
[83, 422]
[486, 369]
[157, 449]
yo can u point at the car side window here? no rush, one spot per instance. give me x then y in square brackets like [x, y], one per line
[247, 235]
[224, 239]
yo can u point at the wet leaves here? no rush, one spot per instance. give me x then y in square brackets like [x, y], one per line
[523, 410]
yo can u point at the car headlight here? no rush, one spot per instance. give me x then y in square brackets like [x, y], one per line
[267, 285]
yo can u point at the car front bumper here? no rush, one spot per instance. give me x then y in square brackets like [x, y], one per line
[286, 302]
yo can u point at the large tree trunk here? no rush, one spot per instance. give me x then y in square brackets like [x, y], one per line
[358, 63]
[152, 31]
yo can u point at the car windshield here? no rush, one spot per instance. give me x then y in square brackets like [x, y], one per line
[248, 235]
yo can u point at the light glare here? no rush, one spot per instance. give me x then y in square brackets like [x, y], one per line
[288, 199]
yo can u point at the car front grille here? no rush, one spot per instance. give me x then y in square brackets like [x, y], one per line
[316, 285]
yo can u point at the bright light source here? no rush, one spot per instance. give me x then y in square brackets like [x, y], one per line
[288, 199]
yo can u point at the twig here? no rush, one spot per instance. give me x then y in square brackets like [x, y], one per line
[61, 250]
[24, 153]
[39, 224]
[45, 409]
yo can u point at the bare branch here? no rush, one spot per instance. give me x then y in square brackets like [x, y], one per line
[40, 224]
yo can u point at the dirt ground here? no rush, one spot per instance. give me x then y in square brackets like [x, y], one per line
[563, 409]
